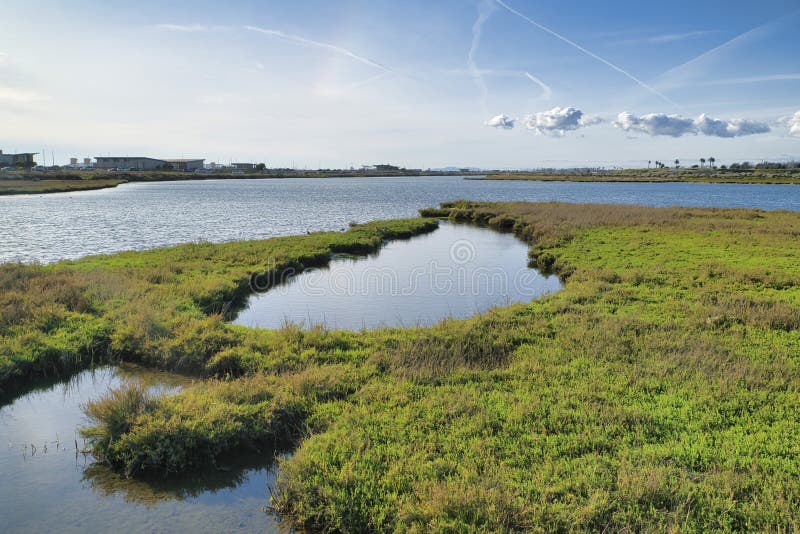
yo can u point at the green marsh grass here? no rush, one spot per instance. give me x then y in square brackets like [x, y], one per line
[658, 391]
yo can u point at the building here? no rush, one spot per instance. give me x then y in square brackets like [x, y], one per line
[244, 166]
[24, 159]
[186, 164]
[147, 164]
[133, 163]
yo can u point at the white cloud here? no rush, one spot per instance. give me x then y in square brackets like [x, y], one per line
[793, 122]
[559, 120]
[501, 121]
[655, 124]
[731, 128]
[677, 126]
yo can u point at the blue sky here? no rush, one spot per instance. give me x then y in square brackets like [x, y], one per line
[340, 83]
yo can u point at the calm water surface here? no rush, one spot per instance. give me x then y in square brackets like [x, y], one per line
[456, 271]
[55, 490]
[137, 216]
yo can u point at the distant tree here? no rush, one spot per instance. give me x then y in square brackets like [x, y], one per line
[702, 162]
[261, 167]
[677, 163]
[711, 162]
[648, 163]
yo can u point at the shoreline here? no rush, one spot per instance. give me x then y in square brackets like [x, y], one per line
[768, 178]
[60, 182]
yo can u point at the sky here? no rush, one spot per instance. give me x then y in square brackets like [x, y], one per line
[340, 83]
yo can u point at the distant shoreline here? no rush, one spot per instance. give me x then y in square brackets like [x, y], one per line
[751, 177]
[44, 182]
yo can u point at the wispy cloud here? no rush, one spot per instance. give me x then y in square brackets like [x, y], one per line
[585, 51]
[485, 9]
[501, 121]
[753, 79]
[546, 91]
[558, 121]
[672, 37]
[677, 76]
[318, 44]
[188, 28]
[20, 96]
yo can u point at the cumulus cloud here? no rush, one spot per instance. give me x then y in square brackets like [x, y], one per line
[655, 124]
[793, 122]
[731, 128]
[501, 121]
[558, 121]
[677, 126]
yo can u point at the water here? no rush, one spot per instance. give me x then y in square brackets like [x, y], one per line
[456, 271]
[58, 491]
[137, 216]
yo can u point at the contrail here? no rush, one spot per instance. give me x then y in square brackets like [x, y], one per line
[742, 37]
[546, 92]
[317, 44]
[484, 12]
[589, 53]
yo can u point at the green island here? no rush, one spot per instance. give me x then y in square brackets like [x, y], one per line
[735, 174]
[658, 391]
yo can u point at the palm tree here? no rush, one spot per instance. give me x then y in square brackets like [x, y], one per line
[677, 163]
[702, 162]
[711, 161]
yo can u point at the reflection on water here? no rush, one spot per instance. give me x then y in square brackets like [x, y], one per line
[228, 474]
[47, 485]
[454, 272]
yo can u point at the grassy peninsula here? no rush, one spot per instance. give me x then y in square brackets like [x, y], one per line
[659, 390]
[26, 186]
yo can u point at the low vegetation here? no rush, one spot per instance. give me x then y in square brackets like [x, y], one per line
[735, 174]
[659, 390]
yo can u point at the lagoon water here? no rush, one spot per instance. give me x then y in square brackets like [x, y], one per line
[46, 228]
[53, 489]
[455, 271]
